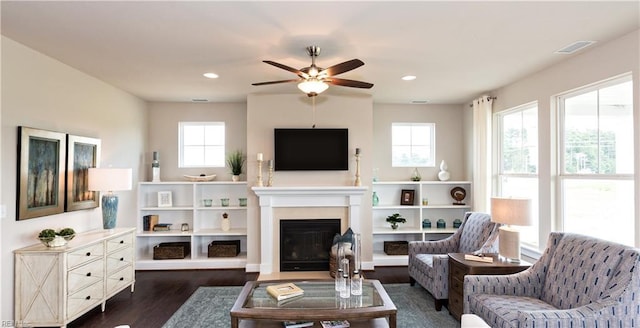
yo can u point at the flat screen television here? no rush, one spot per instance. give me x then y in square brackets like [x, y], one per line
[311, 149]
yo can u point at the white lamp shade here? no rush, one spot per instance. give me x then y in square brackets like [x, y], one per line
[512, 211]
[313, 86]
[109, 179]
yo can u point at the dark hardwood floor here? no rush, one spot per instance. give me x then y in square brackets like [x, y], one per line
[158, 294]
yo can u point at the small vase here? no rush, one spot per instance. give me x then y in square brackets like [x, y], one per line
[375, 200]
[235, 178]
[225, 225]
[394, 226]
[441, 224]
[444, 175]
[416, 175]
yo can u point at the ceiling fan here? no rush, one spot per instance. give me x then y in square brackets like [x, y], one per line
[314, 80]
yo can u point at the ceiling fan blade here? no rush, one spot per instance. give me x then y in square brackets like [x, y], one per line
[275, 82]
[343, 67]
[287, 68]
[349, 83]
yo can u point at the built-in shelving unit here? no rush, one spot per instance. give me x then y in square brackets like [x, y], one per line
[439, 205]
[204, 223]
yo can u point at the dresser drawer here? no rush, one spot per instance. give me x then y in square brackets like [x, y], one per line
[456, 284]
[119, 259]
[455, 304]
[120, 279]
[457, 271]
[85, 275]
[85, 254]
[85, 299]
[119, 242]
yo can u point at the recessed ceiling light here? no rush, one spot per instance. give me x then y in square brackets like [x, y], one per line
[409, 77]
[211, 75]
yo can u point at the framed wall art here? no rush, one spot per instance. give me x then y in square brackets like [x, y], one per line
[406, 198]
[82, 153]
[40, 187]
[164, 199]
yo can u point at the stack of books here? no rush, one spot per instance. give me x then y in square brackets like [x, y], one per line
[284, 291]
[162, 227]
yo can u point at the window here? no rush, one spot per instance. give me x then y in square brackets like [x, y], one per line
[518, 161]
[202, 144]
[596, 194]
[413, 144]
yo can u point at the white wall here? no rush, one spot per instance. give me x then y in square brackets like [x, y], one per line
[40, 92]
[601, 62]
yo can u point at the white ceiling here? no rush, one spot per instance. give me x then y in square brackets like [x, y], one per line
[158, 51]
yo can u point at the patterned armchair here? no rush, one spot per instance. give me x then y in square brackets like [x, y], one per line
[579, 281]
[428, 260]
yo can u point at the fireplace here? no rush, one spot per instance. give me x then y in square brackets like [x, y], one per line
[305, 244]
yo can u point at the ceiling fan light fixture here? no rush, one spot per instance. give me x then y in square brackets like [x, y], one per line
[313, 86]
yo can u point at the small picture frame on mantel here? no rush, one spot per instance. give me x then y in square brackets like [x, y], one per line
[407, 196]
[164, 199]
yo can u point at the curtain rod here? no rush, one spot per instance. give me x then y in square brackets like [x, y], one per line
[488, 98]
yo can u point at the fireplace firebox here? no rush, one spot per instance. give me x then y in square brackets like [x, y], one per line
[305, 244]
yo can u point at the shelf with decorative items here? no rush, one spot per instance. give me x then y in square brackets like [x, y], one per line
[191, 213]
[429, 207]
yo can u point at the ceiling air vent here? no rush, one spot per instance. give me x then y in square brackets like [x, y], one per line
[574, 47]
[199, 100]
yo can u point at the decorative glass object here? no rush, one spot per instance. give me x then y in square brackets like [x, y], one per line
[415, 176]
[426, 223]
[375, 200]
[457, 223]
[242, 201]
[207, 202]
[441, 224]
[224, 201]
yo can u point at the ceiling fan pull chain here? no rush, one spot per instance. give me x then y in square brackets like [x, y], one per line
[313, 106]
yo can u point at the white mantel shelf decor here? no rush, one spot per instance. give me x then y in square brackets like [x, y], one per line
[317, 196]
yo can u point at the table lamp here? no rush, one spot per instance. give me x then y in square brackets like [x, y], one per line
[109, 180]
[510, 211]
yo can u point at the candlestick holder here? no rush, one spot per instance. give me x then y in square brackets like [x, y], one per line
[259, 182]
[357, 182]
[270, 176]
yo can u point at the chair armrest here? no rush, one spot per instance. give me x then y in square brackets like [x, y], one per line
[526, 283]
[575, 317]
[442, 246]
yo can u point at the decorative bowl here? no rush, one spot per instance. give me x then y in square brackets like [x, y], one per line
[200, 178]
[56, 241]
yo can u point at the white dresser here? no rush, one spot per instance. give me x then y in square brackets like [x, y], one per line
[54, 286]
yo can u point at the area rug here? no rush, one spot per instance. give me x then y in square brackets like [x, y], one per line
[209, 307]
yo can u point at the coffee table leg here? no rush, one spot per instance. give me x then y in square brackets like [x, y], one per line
[234, 322]
[392, 320]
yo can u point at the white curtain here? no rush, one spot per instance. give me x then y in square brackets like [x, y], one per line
[482, 110]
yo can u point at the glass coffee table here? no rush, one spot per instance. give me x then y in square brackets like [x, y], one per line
[256, 308]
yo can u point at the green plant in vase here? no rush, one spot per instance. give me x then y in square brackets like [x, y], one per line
[394, 219]
[235, 161]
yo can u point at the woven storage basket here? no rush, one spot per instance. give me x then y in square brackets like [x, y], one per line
[396, 247]
[173, 250]
[224, 248]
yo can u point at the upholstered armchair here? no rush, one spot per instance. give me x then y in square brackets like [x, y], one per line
[579, 281]
[428, 260]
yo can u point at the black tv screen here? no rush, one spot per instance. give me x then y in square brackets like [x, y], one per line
[311, 149]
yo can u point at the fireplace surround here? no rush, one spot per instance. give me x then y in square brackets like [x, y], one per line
[271, 198]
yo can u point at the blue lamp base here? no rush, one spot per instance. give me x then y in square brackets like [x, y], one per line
[109, 210]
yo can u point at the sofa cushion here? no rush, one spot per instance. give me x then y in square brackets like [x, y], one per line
[579, 271]
[501, 310]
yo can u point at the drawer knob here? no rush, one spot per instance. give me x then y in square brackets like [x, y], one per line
[121, 278]
[88, 297]
[122, 242]
[88, 253]
[88, 274]
[122, 259]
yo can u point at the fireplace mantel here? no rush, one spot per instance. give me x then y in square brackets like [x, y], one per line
[318, 196]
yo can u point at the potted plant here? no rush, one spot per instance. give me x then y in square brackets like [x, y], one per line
[235, 160]
[51, 238]
[394, 219]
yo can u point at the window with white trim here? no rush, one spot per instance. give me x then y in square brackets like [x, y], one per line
[596, 156]
[202, 144]
[517, 153]
[413, 144]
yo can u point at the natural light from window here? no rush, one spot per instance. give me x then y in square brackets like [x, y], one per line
[596, 182]
[413, 144]
[202, 144]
